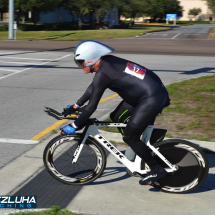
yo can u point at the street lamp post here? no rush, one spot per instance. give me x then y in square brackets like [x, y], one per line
[11, 20]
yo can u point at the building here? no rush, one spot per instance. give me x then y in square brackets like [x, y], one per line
[206, 14]
[62, 15]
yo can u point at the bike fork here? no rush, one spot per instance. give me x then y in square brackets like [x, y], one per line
[78, 150]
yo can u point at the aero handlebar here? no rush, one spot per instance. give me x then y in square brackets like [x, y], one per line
[59, 116]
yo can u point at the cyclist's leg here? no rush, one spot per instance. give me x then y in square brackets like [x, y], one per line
[132, 138]
[121, 114]
[143, 115]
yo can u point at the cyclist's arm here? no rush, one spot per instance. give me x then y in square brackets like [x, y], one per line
[100, 83]
[86, 96]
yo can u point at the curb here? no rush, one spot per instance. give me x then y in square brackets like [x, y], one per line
[157, 25]
[43, 209]
[153, 32]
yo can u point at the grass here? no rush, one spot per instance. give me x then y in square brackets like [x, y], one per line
[191, 114]
[109, 129]
[120, 143]
[54, 132]
[82, 34]
[53, 211]
[193, 109]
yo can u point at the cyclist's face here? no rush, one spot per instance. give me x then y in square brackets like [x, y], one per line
[85, 68]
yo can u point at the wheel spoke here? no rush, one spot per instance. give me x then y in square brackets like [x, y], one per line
[86, 162]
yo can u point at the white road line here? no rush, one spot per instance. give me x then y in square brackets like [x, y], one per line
[146, 34]
[175, 36]
[22, 57]
[34, 66]
[18, 141]
[18, 63]
[9, 70]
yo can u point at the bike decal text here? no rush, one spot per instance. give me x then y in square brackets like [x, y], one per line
[111, 147]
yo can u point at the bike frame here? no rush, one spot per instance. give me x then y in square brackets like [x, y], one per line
[133, 166]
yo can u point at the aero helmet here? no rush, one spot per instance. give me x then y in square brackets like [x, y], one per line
[90, 51]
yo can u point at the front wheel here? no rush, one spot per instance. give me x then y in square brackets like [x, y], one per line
[58, 155]
[192, 165]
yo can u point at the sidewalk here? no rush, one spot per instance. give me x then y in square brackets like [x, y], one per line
[115, 192]
[29, 164]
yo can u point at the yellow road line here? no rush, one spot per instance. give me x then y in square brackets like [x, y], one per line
[139, 23]
[212, 33]
[109, 97]
[60, 122]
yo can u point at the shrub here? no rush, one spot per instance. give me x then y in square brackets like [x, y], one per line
[3, 28]
[122, 26]
[48, 27]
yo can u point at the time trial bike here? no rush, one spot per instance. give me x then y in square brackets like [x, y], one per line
[79, 159]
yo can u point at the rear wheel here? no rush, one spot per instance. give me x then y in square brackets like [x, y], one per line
[192, 166]
[58, 156]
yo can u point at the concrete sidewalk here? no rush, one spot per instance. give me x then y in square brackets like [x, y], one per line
[20, 170]
[115, 192]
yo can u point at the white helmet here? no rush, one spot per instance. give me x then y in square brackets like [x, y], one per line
[90, 51]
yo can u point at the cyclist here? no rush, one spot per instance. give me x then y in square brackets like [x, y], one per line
[139, 88]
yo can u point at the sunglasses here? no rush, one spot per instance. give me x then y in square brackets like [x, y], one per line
[79, 61]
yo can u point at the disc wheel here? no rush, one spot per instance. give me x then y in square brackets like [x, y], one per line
[58, 156]
[192, 166]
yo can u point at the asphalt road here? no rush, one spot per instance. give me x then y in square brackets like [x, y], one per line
[187, 40]
[31, 77]
[30, 81]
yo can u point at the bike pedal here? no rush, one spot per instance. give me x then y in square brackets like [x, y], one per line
[150, 183]
[156, 183]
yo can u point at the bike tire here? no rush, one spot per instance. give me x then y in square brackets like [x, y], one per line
[192, 165]
[58, 155]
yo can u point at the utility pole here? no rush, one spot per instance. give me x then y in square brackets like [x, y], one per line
[11, 20]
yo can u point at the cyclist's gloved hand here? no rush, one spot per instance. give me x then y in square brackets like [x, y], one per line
[68, 129]
[69, 110]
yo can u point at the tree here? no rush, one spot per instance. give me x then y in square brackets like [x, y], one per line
[81, 7]
[38, 6]
[77, 8]
[194, 12]
[20, 6]
[94, 6]
[136, 7]
[123, 6]
[211, 5]
[3, 7]
[35, 6]
[159, 8]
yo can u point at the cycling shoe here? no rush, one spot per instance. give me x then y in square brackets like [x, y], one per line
[153, 176]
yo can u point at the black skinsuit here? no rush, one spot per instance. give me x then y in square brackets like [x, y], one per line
[138, 87]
